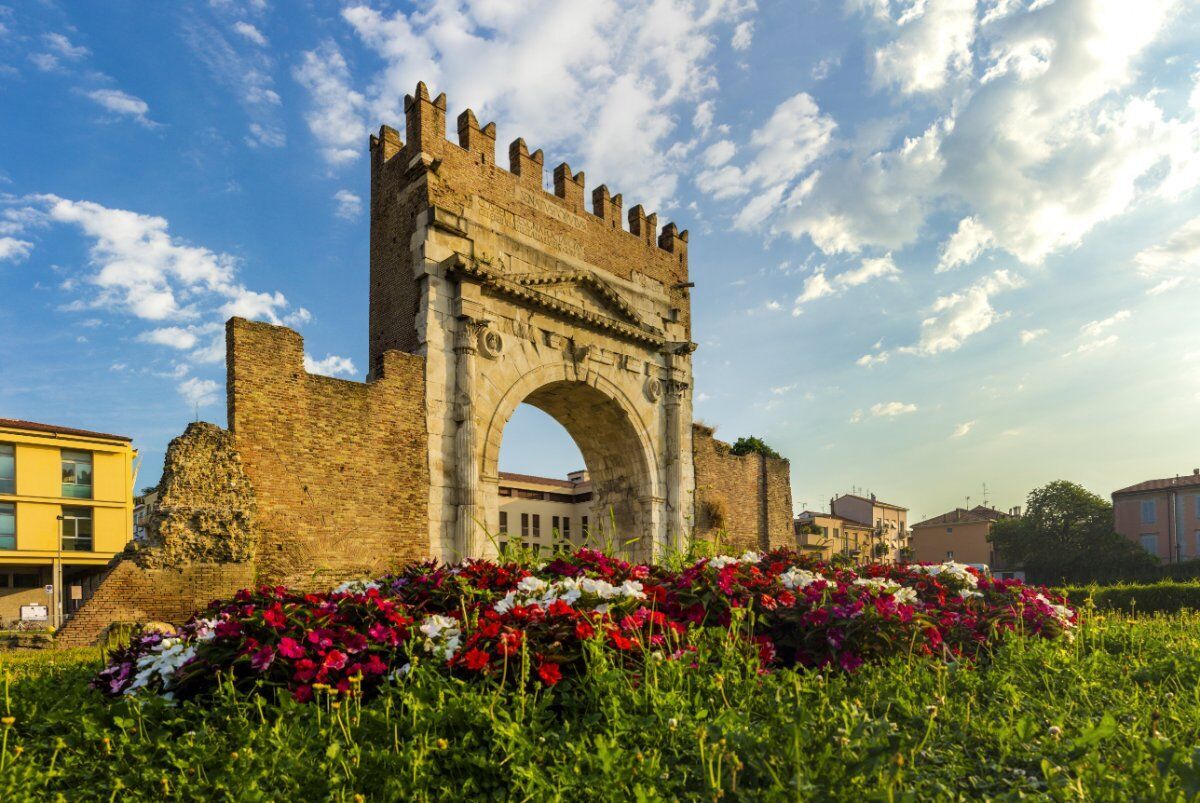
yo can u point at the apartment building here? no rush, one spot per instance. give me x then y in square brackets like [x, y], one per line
[836, 535]
[544, 514]
[66, 508]
[961, 535]
[889, 522]
[1162, 515]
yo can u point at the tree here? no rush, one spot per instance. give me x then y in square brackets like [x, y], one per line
[754, 445]
[1067, 534]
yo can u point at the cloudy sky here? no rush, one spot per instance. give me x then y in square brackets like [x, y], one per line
[936, 243]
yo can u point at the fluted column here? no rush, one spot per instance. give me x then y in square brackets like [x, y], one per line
[466, 468]
[676, 519]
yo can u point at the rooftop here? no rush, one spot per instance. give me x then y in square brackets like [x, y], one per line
[1186, 481]
[532, 479]
[33, 426]
[814, 513]
[961, 515]
[876, 502]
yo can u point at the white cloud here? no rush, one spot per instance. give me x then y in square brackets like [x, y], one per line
[817, 285]
[1092, 345]
[63, 47]
[1030, 335]
[959, 316]
[332, 365]
[703, 117]
[871, 360]
[349, 205]
[600, 83]
[119, 102]
[931, 44]
[266, 137]
[822, 68]
[14, 250]
[199, 392]
[962, 429]
[174, 336]
[719, 153]
[1175, 261]
[743, 35]
[892, 409]
[336, 117]
[247, 30]
[969, 240]
[1094, 328]
[855, 417]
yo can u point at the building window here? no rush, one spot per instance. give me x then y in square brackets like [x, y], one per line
[77, 474]
[1149, 512]
[524, 525]
[1195, 499]
[949, 529]
[537, 525]
[26, 580]
[1150, 543]
[505, 491]
[77, 529]
[503, 523]
[8, 469]
[555, 525]
[585, 526]
[566, 527]
[8, 525]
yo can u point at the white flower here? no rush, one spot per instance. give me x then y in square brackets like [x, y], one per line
[750, 556]
[877, 583]
[905, 596]
[967, 593]
[442, 636]
[356, 587]
[721, 561]
[531, 585]
[796, 577]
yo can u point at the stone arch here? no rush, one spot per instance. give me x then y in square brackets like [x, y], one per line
[616, 444]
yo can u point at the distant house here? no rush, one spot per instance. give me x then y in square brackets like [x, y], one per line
[1161, 515]
[960, 535]
[834, 535]
[544, 514]
[889, 521]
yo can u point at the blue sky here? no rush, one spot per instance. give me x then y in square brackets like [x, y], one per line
[936, 243]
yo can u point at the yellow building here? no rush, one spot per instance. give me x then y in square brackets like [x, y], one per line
[66, 508]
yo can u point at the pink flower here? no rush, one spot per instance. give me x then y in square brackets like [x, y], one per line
[262, 659]
[334, 659]
[290, 648]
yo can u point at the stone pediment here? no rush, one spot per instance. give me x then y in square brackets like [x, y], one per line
[579, 295]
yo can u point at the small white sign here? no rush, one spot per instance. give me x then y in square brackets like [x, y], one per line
[49, 589]
[34, 613]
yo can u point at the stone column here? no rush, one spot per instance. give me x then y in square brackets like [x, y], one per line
[466, 467]
[676, 518]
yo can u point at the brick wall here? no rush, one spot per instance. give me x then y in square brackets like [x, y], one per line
[744, 502]
[130, 593]
[340, 469]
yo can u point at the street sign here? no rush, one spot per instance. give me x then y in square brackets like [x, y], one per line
[49, 589]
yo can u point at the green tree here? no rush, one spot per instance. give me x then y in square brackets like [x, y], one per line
[1067, 534]
[754, 445]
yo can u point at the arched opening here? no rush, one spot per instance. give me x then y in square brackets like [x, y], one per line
[610, 504]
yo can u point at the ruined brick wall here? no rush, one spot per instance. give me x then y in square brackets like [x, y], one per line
[205, 511]
[340, 468]
[129, 593]
[742, 501]
[422, 168]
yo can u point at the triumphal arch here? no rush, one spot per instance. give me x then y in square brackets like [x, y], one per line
[514, 294]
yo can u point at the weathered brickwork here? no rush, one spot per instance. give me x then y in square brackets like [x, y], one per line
[742, 501]
[339, 468]
[132, 594]
[205, 511]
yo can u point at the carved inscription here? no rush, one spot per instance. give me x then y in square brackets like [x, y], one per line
[500, 218]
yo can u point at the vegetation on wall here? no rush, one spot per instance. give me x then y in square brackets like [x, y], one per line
[754, 445]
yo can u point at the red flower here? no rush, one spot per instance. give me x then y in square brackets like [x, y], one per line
[584, 631]
[275, 617]
[302, 694]
[290, 648]
[374, 666]
[334, 659]
[476, 659]
[549, 673]
[306, 670]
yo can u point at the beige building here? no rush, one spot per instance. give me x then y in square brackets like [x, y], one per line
[960, 535]
[542, 513]
[835, 535]
[888, 521]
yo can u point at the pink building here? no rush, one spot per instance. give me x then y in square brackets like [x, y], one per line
[1161, 515]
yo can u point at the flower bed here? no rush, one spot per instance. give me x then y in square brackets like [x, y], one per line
[509, 623]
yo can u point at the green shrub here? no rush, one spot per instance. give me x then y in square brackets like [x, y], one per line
[1166, 597]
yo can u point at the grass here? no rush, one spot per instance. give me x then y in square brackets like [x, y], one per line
[1115, 715]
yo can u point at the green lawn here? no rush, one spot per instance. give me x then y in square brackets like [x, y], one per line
[1115, 715]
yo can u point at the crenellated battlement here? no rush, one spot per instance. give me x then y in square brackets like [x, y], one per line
[425, 127]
